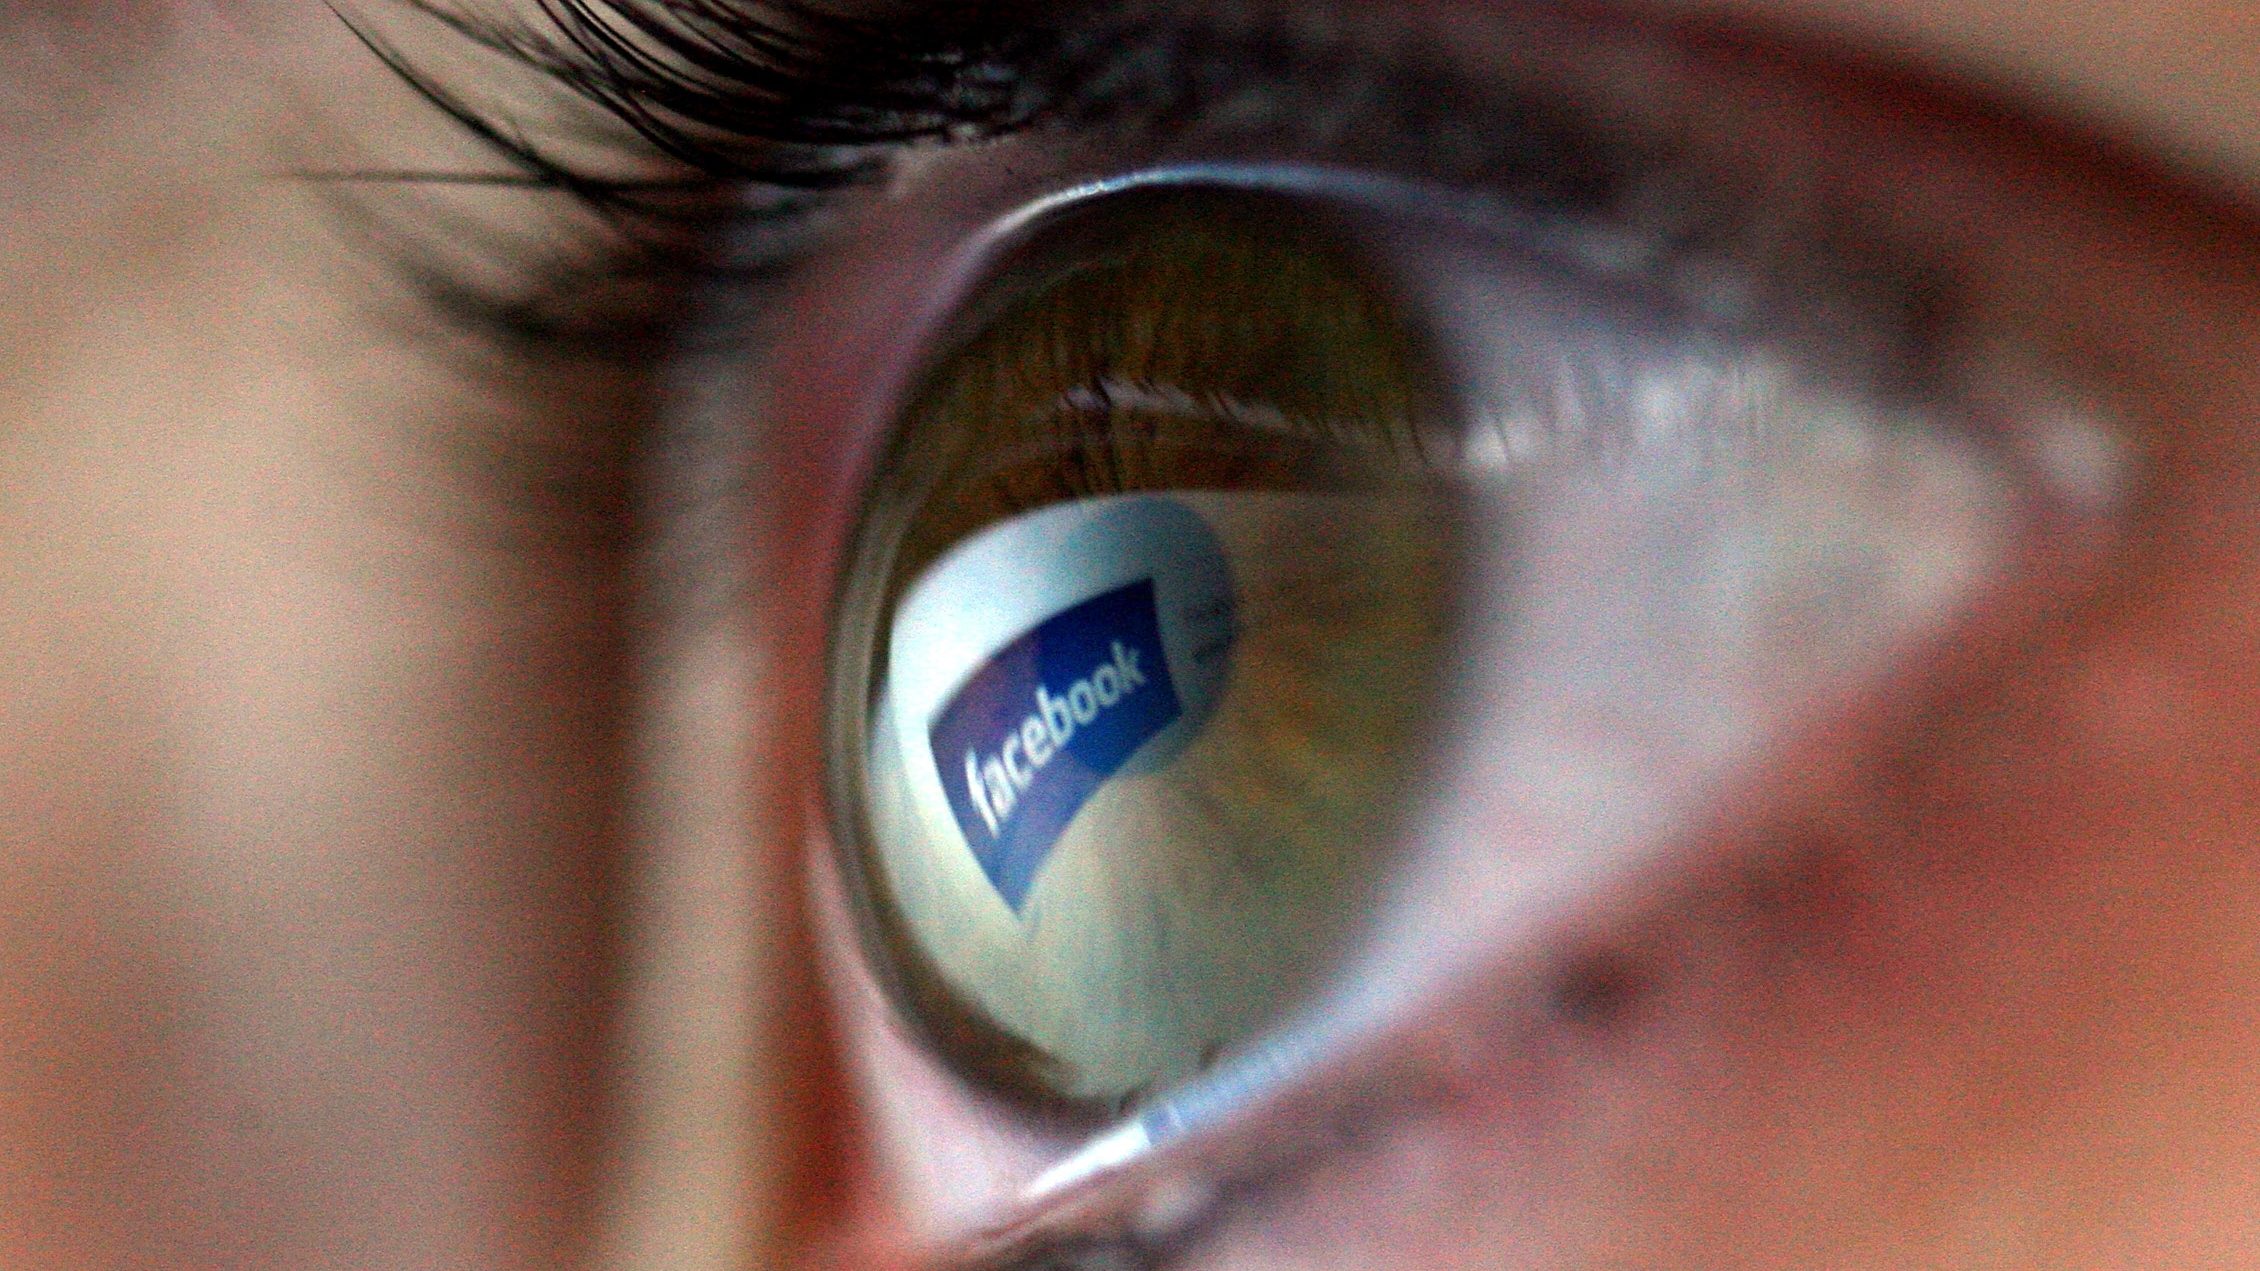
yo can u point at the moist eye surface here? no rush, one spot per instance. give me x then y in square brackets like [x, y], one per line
[1140, 639]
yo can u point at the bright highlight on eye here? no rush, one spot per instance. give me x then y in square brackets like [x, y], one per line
[1143, 626]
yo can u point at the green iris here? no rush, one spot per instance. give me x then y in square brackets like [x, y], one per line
[1222, 361]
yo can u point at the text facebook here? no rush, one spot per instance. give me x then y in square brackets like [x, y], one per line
[1045, 722]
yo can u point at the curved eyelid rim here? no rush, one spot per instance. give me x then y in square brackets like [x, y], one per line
[1468, 212]
[1314, 180]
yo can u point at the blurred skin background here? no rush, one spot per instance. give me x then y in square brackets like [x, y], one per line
[379, 887]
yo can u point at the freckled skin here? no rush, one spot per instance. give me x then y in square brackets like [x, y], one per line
[308, 807]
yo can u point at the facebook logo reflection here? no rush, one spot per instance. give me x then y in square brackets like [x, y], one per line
[1045, 722]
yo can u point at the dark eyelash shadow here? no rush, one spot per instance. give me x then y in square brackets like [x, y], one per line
[712, 123]
[715, 137]
[716, 134]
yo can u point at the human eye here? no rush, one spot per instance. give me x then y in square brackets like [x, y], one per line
[1322, 554]
[1188, 545]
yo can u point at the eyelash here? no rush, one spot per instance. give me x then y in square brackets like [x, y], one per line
[763, 116]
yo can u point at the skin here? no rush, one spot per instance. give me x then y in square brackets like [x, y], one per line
[340, 926]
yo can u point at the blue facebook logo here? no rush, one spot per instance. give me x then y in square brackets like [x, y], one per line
[1045, 722]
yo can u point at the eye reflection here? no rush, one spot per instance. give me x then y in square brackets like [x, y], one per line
[1144, 621]
[1266, 599]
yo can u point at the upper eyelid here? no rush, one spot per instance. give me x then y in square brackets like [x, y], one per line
[736, 104]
